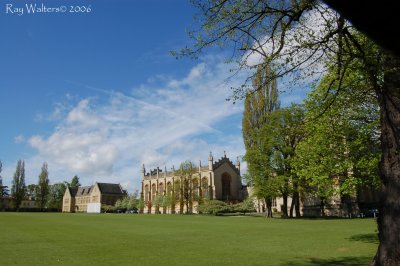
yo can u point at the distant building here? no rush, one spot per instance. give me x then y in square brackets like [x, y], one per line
[310, 205]
[91, 198]
[218, 180]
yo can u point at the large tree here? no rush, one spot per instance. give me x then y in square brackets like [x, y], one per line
[56, 194]
[288, 130]
[296, 36]
[75, 182]
[187, 170]
[31, 191]
[3, 189]
[258, 106]
[342, 145]
[43, 189]
[18, 188]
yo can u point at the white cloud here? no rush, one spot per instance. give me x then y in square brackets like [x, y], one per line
[163, 122]
[19, 139]
[299, 51]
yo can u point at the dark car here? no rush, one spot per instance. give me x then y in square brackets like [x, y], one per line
[371, 213]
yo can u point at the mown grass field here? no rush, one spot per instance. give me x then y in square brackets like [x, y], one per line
[131, 239]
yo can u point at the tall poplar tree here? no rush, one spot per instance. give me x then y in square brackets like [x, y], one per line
[259, 104]
[42, 189]
[257, 107]
[18, 188]
[3, 189]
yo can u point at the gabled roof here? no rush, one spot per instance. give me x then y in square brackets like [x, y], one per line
[72, 191]
[107, 188]
[223, 160]
[84, 191]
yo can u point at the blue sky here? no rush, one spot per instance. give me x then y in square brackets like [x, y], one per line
[97, 94]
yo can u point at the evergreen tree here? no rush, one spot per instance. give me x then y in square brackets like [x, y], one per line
[75, 182]
[43, 190]
[18, 189]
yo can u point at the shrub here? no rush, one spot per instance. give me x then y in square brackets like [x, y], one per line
[213, 207]
[244, 207]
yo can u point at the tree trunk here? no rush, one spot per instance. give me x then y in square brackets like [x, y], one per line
[291, 207]
[322, 207]
[268, 210]
[389, 206]
[285, 206]
[297, 204]
[295, 200]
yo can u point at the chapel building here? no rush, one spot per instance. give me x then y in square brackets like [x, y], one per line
[218, 180]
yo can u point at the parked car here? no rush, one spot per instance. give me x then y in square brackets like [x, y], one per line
[370, 213]
[132, 211]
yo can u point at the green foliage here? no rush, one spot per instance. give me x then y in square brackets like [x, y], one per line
[133, 203]
[140, 204]
[31, 190]
[258, 108]
[127, 203]
[56, 194]
[118, 204]
[187, 170]
[75, 182]
[342, 149]
[214, 207]
[107, 208]
[42, 188]
[258, 105]
[18, 189]
[270, 159]
[158, 201]
[3, 189]
[245, 206]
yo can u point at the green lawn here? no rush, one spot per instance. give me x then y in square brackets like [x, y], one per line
[131, 239]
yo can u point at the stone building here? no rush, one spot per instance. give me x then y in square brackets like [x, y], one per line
[91, 198]
[354, 205]
[218, 180]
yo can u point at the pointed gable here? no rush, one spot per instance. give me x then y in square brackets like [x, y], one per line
[107, 188]
[225, 160]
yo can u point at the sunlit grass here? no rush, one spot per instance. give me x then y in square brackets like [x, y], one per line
[131, 239]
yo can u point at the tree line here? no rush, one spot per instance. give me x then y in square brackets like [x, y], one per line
[308, 149]
[43, 193]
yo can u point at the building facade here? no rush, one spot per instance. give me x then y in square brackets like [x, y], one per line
[170, 192]
[92, 198]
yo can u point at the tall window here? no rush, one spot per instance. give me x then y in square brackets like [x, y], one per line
[195, 187]
[169, 188]
[226, 186]
[160, 188]
[146, 193]
[177, 189]
[204, 187]
[153, 191]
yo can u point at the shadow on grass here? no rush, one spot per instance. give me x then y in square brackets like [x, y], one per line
[366, 238]
[343, 261]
